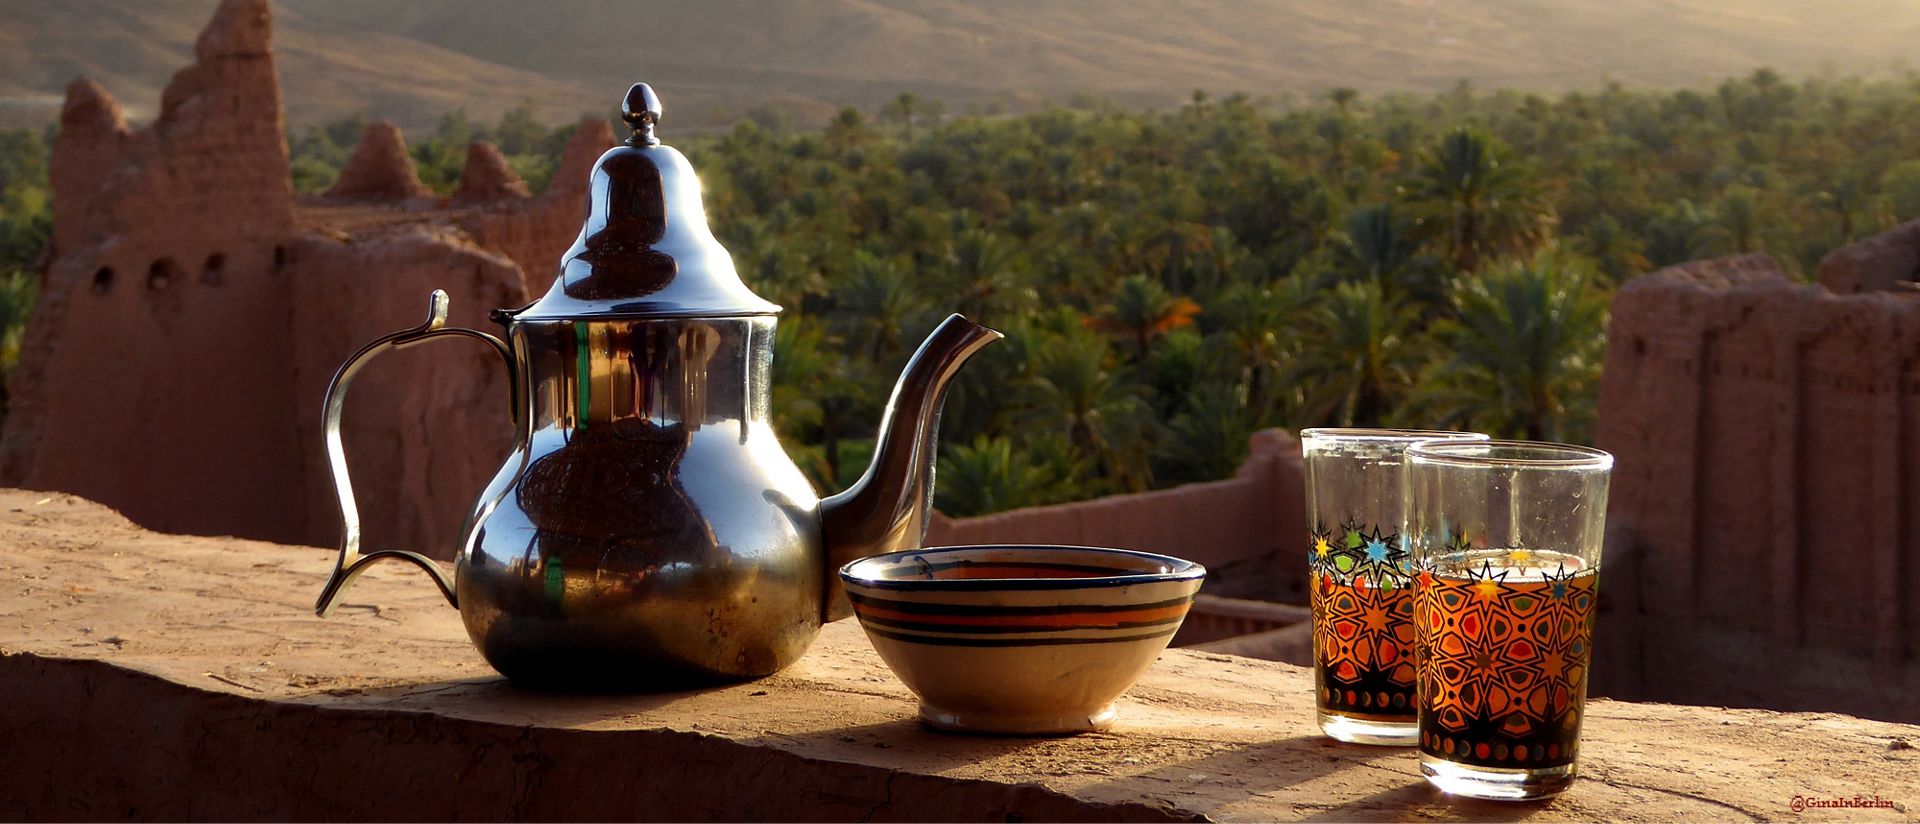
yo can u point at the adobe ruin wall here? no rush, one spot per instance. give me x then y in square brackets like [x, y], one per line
[195, 310]
[1764, 511]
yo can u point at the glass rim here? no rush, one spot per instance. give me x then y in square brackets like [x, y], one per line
[1358, 434]
[1544, 454]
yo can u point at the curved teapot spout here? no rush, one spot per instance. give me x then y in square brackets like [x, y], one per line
[886, 510]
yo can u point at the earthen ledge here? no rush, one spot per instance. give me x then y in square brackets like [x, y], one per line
[155, 676]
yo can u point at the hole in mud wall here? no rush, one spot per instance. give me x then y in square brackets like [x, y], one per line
[212, 273]
[102, 279]
[279, 258]
[162, 274]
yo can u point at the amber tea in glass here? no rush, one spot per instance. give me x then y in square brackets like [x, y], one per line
[1505, 538]
[1359, 586]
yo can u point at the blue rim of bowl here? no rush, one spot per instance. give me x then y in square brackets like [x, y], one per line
[1183, 570]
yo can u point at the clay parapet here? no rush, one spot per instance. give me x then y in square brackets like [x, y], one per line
[172, 677]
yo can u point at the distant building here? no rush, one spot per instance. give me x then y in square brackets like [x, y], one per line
[1766, 500]
[195, 309]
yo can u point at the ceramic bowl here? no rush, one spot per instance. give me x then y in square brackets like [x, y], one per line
[1020, 640]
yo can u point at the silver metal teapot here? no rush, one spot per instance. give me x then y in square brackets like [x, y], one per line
[648, 530]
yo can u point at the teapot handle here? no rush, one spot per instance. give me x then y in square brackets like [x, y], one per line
[351, 561]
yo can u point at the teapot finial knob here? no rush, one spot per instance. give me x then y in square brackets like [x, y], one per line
[641, 110]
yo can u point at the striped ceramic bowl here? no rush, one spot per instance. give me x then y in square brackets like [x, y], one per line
[1020, 640]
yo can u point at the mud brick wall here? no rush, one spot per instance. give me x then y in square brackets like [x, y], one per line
[194, 310]
[1244, 529]
[1766, 497]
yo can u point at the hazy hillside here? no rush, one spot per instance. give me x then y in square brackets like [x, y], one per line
[326, 69]
[718, 57]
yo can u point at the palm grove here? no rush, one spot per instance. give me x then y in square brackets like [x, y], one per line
[1172, 281]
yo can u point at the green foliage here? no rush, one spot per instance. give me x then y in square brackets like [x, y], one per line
[1171, 281]
[1526, 339]
[1476, 203]
[1902, 185]
[26, 207]
[18, 292]
[1363, 352]
[990, 475]
[26, 225]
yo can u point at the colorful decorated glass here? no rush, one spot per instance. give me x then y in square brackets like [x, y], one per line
[1506, 538]
[1358, 576]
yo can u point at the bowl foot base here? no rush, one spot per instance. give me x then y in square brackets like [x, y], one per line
[1054, 722]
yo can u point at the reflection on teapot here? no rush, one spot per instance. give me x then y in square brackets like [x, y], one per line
[648, 530]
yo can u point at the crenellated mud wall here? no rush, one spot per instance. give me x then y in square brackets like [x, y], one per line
[195, 309]
[1766, 496]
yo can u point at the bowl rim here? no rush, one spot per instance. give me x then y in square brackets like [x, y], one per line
[1182, 570]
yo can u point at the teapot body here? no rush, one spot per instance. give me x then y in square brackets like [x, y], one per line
[648, 527]
[648, 530]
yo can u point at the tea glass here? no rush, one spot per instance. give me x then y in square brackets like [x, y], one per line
[1506, 538]
[1359, 577]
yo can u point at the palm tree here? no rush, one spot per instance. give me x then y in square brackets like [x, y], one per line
[1476, 203]
[1619, 253]
[1071, 387]
[18, 292]
[1208, 439]
[990, 475]
[1142, 310]
[1336, 129]
[1379, 246]
[982, 280]
[875, 305]
[848, 130]
[818, 392]
[902, 109]
[1343, 97]
[1173, 251]
[1600, 189]
[1259, 325]
[1527, 340]
[1739, 221]
[1846, 197]
[769, 264]
[1359, 355]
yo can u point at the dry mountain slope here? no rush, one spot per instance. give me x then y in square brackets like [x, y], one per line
[1171, 46]
[328, 69]
[720, 56]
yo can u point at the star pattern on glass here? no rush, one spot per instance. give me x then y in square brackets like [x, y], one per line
[1557, 584]
[1362, 603]
[1486, 582]
[1456, 542]
[1321, 552]
[1493, 647]
[1378, 556]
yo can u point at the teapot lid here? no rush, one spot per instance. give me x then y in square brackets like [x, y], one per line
[645, 250]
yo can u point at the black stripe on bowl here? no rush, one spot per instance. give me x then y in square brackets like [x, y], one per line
[942, 641]
[924, 608]
[1006, 629]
